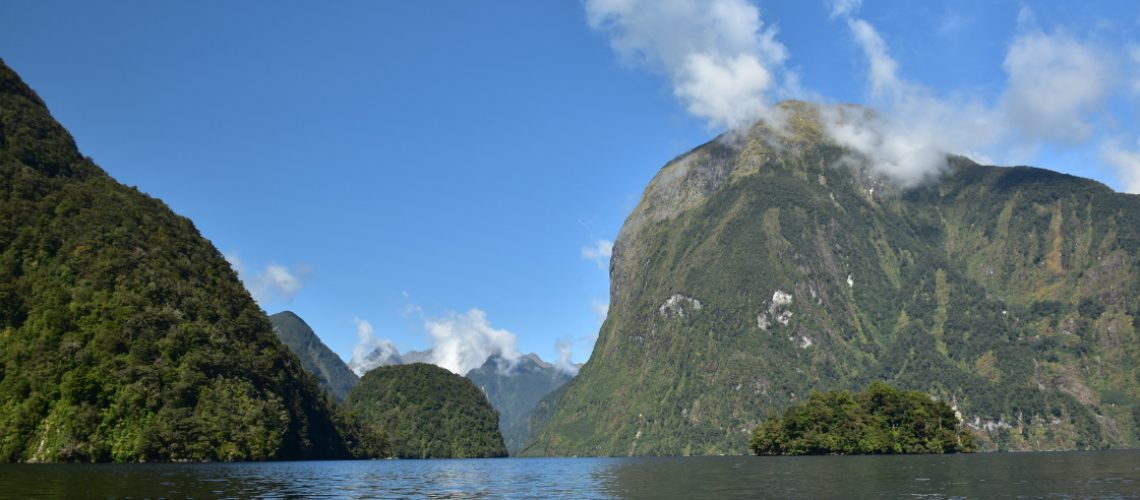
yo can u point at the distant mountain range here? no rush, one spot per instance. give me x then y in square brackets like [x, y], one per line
[512, 388]
[515, 389]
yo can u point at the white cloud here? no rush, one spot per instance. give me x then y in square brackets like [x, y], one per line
[845, 8]
[565, 352]
[600, 253]
[883, 72]
[718, 54]
[726, 66]
[273, 284]
[370, 351]
[1026, 19]
[906, 139]
[1126, 162]
[366, 342]
[463, 342]
[1055, 83]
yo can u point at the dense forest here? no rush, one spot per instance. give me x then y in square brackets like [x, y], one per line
[428, 412]
[879, 420]
[124, 334]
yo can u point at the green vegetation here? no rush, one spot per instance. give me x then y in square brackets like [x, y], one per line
[879, 420]
[124, 334]
[1012, 292]
[428, 412]
[316, 358]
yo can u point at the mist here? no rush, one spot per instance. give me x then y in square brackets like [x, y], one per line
[727, 67]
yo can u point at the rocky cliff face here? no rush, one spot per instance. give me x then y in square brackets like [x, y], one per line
[765, 265]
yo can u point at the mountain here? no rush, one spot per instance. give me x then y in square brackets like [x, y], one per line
[514, 390]
[771, 263]
[316, 358]
[385, 354]
[428, 412]
[124, 334]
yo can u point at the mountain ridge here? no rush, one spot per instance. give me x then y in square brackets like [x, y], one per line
[333, 374]
[763, 265]
[124, 334]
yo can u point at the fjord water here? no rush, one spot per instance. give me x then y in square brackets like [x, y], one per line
[1110, 474]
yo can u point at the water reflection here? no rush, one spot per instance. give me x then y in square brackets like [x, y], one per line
[1034, 475]
[1026, 475]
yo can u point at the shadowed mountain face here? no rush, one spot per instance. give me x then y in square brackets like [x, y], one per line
[514, 390]
[315, 356]
[763, 266]
[124, 334]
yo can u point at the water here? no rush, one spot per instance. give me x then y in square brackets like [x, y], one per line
[1113, 474]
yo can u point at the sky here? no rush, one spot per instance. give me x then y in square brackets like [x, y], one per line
[453, 173]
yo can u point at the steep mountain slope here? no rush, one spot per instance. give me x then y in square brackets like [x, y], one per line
[124, 334]
[515, 390]
[760, 267]
[428, 412]
[316, 358]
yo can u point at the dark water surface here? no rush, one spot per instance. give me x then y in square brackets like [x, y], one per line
[1111, 474]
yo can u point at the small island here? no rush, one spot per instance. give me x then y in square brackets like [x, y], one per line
[427, 412]
[879, 420]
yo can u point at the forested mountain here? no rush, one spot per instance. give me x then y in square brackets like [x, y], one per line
[428, 412]
[315, 356]
[764, 265]
[124, 334]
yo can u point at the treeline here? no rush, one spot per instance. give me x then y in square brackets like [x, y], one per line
[879, 420]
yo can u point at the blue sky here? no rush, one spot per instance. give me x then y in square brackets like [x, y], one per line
[403, 163]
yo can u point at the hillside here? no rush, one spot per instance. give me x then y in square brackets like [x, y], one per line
[124, 334]
[757, 268]
[428, 412]
[316, 358]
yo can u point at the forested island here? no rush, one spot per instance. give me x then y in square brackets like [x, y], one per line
[879, 420]
[428, 412]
